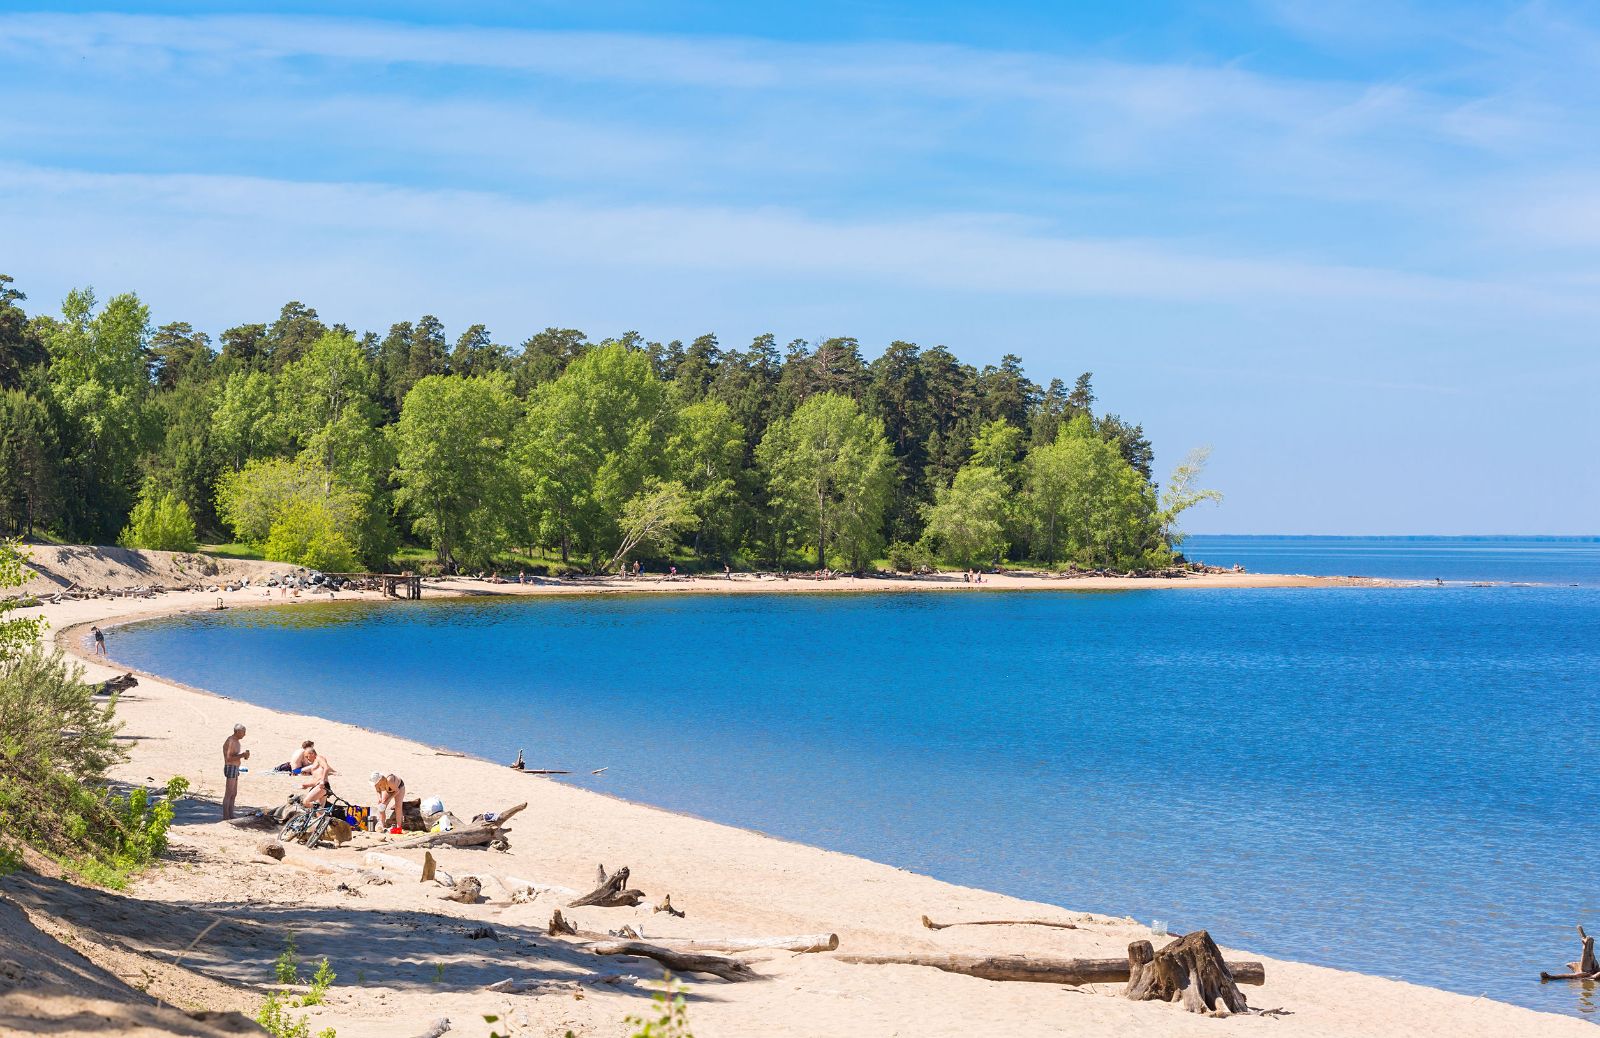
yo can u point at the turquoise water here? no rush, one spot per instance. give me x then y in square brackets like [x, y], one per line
[1374, 779]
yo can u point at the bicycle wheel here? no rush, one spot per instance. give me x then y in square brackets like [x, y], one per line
[317, 828]
[292, 828]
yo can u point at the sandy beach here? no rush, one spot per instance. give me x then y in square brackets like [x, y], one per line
[404, 957]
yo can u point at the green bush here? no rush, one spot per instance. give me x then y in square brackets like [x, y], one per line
[159, 521]
[56, 744]
[670, 1016]
[274, 1018]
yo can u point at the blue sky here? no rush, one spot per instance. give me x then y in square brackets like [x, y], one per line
[1354, 247]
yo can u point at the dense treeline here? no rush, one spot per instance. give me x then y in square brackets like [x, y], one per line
[318, 445]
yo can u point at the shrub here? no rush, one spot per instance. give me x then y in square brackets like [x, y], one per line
[160, 521]
[321, 981]
[670, 1017]
[56, 744]
[17, 632]
[286, 967]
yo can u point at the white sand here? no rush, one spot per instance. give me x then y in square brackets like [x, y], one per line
[389, 943]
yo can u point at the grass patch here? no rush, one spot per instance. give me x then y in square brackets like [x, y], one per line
[233, 550]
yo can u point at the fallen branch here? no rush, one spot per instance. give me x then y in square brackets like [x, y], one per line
[676, 961]
[1036, 970]
[560, 926]
[666, 906]
[930, 924]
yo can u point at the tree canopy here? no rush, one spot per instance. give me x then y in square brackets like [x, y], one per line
[323, 446]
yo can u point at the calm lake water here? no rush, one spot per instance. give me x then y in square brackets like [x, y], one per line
[1386, 780]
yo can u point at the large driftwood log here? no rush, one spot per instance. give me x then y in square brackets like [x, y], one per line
[1189, 970]
[477, 834]
[560, 926]
[1586, 968]
[613, 892]
[1036, 970]
[674, 960]
[930, 924]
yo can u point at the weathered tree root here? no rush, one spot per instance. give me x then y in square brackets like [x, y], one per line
[666, 906]
[1189, 970]
[612, 892]
[1586, 968]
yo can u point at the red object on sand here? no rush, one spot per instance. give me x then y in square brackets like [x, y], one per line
[396, 831]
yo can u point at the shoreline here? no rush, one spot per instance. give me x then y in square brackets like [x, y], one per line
[732, 881]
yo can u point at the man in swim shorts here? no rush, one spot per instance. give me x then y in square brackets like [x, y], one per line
[233, 754]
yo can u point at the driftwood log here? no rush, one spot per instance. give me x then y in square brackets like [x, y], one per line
[1189, 970]
[613, 892]
[1586, 968]
[560, 926]
[666, 906]
[466, 891]
[930, 924]
[113, 686]
[438, 1028]
[675, 960]
[478, 834]
[1037, 970]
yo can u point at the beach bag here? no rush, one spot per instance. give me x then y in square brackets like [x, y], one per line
[357, 817]
[431, 806]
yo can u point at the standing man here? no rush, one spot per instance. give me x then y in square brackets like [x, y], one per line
[233, 754]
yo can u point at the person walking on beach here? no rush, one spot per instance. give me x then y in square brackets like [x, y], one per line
[99, 641]
[391, 795]
[233, 754]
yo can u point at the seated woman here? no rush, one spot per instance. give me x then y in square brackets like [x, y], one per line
[320, 769]
[391, 800]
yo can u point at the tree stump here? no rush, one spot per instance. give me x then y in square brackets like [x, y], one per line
[1189, 970]
[559, 926]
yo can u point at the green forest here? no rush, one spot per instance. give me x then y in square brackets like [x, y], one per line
[317, 445]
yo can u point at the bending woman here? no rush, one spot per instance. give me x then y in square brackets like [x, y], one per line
[391, 799]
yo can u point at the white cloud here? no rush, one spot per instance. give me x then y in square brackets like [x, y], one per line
[353, 225]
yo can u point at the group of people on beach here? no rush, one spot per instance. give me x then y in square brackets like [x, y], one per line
[318, 771]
